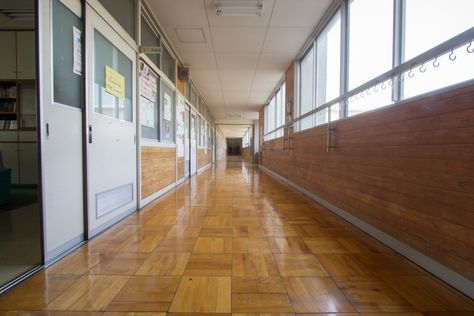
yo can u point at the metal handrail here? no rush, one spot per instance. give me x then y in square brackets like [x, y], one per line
[449, 45]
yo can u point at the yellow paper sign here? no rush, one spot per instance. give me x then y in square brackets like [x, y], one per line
[114, 83]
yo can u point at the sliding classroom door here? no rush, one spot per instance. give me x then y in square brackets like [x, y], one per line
[111, 132]
[62, 133]
[193, 143]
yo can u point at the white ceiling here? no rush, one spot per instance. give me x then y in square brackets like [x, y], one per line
[234, 131]
[236, 62]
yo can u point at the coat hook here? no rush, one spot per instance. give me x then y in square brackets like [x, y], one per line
[383, 86]
[410, 73]
[470, 51]
[368, 92]
[375, 88]
[451, 56]
[422, 68]
[436, 62]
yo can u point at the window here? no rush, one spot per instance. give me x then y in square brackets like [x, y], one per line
[123, 12]
[374, 46]
[246, 140]
[168, 65]
[149, 38]
[370, 50]
[328, 62]
[108, 58]
[423, 30]
[68, 87]
[275, 113]
[307, 82]
[167, 114]
[149, 103]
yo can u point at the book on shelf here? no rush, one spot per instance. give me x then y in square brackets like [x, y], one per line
[13, 124]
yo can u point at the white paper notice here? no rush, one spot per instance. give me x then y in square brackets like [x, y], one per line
[147, 113]
[77, 51]
[167, 106]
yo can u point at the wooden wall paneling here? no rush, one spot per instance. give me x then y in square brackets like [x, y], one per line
[405, 169]
[158, 169]
[180, 168]
[201, 157]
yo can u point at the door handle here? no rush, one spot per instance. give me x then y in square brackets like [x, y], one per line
[90, 134]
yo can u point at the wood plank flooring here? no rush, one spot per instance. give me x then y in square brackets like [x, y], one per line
[233, 241]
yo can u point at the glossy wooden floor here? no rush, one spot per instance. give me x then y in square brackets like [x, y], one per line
[234, 241]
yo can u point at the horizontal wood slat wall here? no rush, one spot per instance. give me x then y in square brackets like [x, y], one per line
[407, 170]
[203, 156]
[180, 168]
[247, 154]
[158, 169]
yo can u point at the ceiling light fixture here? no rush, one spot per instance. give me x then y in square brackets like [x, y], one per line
[239, 7]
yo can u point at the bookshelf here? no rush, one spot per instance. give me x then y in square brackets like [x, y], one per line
[17, 105]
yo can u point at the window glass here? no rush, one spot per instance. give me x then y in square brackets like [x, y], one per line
[149, 101]
[307, 82]
[423, 26]
[328, 60]
[168, 67]
[167, 114]
[188, 91]
[306, 89]
[149, 38]
[423, 31]
[123, 12]
[271, 114]
[108, 58]
[68, 87]
[369, 58]
[370, 39]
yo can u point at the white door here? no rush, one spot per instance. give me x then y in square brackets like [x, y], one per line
[61, 132]
[193, 135]
[111, 143]
[186, 142]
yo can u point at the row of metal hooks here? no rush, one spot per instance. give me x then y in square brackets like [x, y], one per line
[422, 69]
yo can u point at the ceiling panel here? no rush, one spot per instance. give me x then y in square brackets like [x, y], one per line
[179, 12]
[274, 62]
[199, 61]
[298, 13]
[231, 61]
[294, 38]
[189, 47]
[238, 39]
[236, 62]
[266, 80]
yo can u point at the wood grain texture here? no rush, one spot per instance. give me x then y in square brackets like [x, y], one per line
[406, 170]
[247, 154]
[233, 240]
[203, 157]
[179, 168]
[158, 169]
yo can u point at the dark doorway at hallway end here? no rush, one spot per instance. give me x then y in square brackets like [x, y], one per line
[234, 146]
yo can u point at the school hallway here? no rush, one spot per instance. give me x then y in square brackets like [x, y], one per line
[233, 240]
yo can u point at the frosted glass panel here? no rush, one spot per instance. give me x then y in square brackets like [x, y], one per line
[68, 86]
[124, 12]
[149, 38]
[106, 54]
[167, 114]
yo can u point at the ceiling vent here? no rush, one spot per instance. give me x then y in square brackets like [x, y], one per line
[19, 14]
[239, 7]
